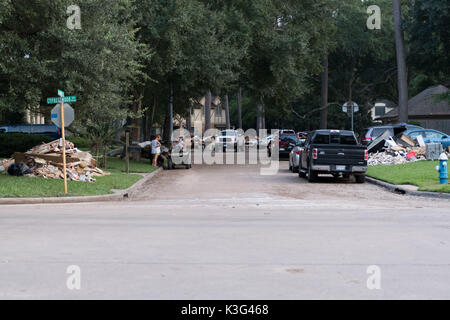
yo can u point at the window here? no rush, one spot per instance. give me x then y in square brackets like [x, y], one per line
[433, 135]
[379, 131]
[290, 139]
[415, 134]
[380, 111]
[321, 138]
[348, 140]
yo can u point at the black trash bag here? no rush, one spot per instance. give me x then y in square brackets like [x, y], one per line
[19, 169]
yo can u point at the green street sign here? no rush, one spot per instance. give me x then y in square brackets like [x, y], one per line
[61, 100]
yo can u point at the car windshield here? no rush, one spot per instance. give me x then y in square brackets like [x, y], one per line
[289, 139]
[379, 131]
[229, 133]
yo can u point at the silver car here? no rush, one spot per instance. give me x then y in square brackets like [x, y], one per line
[294, 156]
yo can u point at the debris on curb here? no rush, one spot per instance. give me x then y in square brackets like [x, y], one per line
[45, 160]
[385, 150]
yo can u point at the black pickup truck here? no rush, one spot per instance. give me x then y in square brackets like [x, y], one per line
[333, 152]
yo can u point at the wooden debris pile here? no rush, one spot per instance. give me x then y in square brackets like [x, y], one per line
[46, 161]
[399, 151]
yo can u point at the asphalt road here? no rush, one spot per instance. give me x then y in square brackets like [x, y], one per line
[228, 232]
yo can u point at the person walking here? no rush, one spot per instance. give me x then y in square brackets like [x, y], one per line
[156, 150]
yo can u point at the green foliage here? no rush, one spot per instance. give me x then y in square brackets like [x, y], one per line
[19, 142]
[80, 142]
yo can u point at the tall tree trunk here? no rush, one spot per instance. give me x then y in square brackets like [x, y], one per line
[324, 111]
[227, 112]
[208, 110]
[171, 113]
[259, 119]
[239, 107]
[151, 119]
[137, 122]
[401, 64]
[188, 121]
[166, 131]
[263, 119]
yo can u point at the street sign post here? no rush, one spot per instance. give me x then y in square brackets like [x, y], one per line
[62, 116]
[350, 108]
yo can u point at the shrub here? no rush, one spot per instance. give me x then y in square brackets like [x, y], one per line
[19, 142]
[80, 142]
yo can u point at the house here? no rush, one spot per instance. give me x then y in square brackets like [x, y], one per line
[380, 109]
[197, 115]
[425, 110]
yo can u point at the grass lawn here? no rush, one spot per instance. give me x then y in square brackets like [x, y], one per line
[139, 167]
[39, 187]
[420, 173]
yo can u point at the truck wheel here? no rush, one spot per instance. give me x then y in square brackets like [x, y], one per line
[360, 178]
[312, 176]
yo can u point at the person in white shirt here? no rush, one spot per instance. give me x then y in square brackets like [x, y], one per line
[156, 150]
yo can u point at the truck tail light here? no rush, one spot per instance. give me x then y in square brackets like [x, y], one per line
[366, 155]
[315, 154]
[367, 139]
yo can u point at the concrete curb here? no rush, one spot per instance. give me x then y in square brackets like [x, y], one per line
[118, 195]
[399, 190]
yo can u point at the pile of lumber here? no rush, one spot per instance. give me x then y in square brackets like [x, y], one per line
[46, 160]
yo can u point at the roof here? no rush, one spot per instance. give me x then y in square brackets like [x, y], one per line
[424, 105]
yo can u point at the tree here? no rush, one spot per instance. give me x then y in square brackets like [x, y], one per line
[324, 95]
[401, 64]
[427, 34]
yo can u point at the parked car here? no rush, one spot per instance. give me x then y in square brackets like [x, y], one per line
[372, 133]
[302, 134]
[49, 130]
[430, 136]
[227, 139]
[294, 156]
[287, 131]
[333, 152]
[286, 143]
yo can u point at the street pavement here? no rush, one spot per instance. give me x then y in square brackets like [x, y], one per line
[228, 232]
